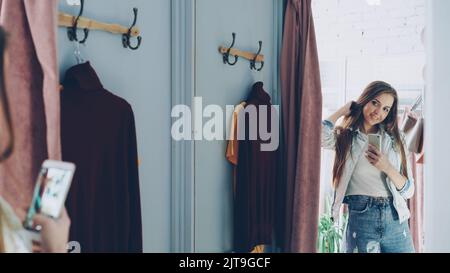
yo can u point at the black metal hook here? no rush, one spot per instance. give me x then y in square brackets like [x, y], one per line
[72, 31]
[127, 37]
[253, 62]
[226, 55]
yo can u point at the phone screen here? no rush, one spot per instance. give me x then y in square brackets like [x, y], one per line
[375, 140]
[50, 192]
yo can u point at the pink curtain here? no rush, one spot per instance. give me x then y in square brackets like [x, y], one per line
[302, 113]
[415, 204]
[32, 83]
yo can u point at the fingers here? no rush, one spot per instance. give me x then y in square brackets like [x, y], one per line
[374, 149]
[36, 247]
[372, 161]
[346, 109]
[372, 157]
[40, 220]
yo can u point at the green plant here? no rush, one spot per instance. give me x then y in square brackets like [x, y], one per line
[330, 234]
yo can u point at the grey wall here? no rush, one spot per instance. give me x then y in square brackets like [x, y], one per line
[143, 78]
[221, 84]
[437, 145]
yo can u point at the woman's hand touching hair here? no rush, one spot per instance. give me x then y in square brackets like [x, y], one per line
[344, 111]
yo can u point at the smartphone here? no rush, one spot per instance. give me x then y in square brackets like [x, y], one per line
[375, 140]
[52, 185]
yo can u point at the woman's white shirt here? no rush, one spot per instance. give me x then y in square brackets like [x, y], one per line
[15, 238]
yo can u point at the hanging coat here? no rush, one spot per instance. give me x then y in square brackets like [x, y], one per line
[98, 135]
[254, 204]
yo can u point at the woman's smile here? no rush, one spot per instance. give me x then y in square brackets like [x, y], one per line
[374, 118]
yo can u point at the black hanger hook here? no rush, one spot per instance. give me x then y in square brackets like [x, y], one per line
[127, 37]
[226, 55]
[72, 31]
[253, 62]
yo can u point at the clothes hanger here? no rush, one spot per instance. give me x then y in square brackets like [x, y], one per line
[78, 57]
[418, 102]
[77, 52]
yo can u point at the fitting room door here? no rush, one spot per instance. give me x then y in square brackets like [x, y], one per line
[221, 85]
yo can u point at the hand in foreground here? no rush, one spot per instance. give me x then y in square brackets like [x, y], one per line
[54, 233]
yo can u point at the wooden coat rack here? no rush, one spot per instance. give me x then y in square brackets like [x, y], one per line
[78, 22]
[236, 53]
[67, 20]
[244, 54]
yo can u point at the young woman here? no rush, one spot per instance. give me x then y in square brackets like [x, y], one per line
[374, 183]
[13, 238]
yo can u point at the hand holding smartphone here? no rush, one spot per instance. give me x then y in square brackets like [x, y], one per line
[50, 192]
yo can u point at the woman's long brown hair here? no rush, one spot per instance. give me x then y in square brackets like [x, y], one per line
[346, 132]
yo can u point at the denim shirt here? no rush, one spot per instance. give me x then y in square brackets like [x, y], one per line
[393, 154]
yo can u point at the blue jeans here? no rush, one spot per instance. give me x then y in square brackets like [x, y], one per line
[373, 227]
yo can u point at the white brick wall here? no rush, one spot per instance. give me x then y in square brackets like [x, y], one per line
[353, 28]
